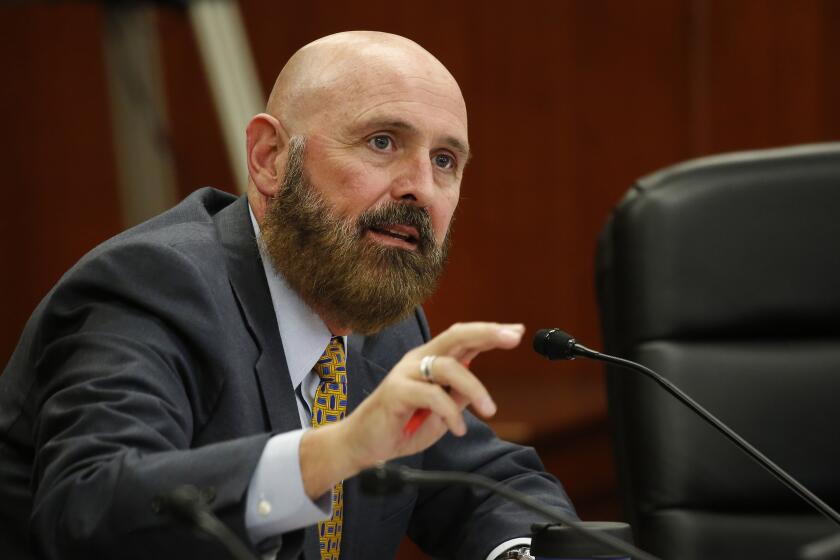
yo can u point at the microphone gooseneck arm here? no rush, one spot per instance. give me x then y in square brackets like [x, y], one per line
[577, 349]
[389, 478]
[187, 504]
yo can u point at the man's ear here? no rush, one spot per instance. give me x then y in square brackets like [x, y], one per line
[267, 145]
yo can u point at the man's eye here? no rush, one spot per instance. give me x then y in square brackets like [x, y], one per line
[381, 142]
[444, 161]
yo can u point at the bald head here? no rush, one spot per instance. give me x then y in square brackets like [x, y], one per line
[383, 121]
[324, 75]
[371, 128]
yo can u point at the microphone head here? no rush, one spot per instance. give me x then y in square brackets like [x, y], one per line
[382, 480]
[554, 344]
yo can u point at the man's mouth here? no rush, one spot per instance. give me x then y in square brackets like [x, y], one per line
[404, 233]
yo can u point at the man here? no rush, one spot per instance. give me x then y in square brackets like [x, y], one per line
[191, 349]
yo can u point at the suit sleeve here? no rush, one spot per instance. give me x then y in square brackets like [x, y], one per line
[122, 389]
[466, 523]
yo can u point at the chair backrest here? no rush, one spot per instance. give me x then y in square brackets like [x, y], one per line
[723, 274]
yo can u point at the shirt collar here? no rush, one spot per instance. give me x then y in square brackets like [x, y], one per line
[304, 334]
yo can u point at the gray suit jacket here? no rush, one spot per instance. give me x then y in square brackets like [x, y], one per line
[156, 361]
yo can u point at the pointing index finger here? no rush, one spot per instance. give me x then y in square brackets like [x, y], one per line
[464, 341]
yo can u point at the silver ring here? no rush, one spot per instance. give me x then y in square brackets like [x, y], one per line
[426, 368]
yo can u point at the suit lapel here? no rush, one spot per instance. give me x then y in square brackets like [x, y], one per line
[247, 279]
[362, 375]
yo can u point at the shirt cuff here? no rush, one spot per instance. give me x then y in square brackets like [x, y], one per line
[496, 552]
[277, 502]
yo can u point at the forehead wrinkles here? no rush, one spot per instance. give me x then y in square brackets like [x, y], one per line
[376, 94]
[377, 99]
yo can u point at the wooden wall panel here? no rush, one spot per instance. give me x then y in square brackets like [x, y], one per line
[57, 167]
[767, 73]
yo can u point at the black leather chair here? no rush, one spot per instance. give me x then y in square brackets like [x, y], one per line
[723, 274]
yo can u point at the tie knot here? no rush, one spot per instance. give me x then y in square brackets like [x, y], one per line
[331, 367]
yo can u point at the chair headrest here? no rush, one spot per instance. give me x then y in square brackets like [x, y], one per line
[746, 242]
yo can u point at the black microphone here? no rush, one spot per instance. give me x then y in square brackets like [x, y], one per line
[386, 479]
[555, 344]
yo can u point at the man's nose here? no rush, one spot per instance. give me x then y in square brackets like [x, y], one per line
[415, 180]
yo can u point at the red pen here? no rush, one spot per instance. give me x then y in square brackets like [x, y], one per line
[416, 421]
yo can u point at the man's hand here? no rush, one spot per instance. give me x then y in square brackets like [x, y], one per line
[375, 431]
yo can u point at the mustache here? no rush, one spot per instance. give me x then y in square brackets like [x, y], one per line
[393, 213]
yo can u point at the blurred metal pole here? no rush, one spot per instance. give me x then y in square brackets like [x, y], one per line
[231, 72]
[143, 153]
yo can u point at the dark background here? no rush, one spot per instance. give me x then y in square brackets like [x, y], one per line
[569, 102]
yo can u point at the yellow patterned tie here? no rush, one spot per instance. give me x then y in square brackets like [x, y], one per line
[330, 406]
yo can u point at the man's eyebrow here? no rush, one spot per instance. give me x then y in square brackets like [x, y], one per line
[397, 124]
